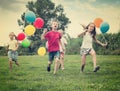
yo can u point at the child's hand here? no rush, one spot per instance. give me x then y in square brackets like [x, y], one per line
[104, 45]
[84, 27]
[45, 30]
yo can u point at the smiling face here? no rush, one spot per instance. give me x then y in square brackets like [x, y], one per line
[91, 27]
[54, 25]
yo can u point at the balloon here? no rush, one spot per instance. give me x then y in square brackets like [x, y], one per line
[30, 16]
[26, 43]
[104, 27]
[41, 51]
[39, 22]
[21, 36]
[29, 30]
[97, 22]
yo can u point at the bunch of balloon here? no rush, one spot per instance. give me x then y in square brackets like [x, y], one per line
[104, 26]
[29, 30]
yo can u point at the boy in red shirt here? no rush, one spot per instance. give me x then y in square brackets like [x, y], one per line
[53, 37]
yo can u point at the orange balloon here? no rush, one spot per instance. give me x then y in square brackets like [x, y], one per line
[97, 22]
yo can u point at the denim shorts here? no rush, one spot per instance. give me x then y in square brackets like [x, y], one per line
[55, 54]
[12, 55]
[85, 51]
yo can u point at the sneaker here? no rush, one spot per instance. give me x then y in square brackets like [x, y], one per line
[96, 69]
[48, 68]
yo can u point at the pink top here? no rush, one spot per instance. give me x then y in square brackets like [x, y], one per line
[53, 38]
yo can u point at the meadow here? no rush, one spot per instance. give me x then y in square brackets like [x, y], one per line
[32, 74]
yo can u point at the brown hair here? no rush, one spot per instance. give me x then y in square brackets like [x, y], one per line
[94, 30]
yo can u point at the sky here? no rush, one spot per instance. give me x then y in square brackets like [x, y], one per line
[78, 11]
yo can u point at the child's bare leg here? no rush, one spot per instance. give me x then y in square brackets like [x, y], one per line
[96, 68]
[56, 65]
[49, 63]
[17, 63]
[62, 61]
[10, 64]
[83, 62]
[93, 54]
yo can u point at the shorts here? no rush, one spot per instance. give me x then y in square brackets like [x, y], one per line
[85, 51]
[55, 54]
[12, 55]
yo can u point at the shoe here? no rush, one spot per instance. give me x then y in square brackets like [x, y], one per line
[82, 68]
[48, 68]
[96, 69]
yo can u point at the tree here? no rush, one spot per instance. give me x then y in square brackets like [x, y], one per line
[47, 11]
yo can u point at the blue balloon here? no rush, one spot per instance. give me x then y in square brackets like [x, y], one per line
[30, 16]
[104, 27]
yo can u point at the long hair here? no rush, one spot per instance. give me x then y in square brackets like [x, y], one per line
[93, 33]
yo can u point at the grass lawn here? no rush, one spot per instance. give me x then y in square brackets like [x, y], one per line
[32, 75]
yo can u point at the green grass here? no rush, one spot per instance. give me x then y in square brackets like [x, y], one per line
[32, 75]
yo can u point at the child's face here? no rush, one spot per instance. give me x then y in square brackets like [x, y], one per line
[54, 25]
[91, 27]
[11, 35]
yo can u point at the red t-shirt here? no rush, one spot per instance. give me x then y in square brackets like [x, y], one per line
[53, 38]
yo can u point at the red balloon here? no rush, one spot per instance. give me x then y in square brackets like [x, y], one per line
[39, 22]
[21, 36]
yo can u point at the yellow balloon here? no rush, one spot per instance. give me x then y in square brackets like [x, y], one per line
[29, 30]
[41, 51]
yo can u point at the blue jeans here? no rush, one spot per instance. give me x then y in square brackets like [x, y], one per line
[55, 54]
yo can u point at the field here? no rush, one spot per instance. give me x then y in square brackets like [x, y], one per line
[32, 75]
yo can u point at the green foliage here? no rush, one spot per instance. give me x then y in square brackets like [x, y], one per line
[3, 51]
[32, 75]
[73, 46]
[47, 10]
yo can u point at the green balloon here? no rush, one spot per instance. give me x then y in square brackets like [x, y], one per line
[26, 43]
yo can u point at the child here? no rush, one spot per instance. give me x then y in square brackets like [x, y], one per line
[88, 36]
[12, 50]
[62, 50]
[53, 37]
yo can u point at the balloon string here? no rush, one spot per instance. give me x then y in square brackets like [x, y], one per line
[104, 38]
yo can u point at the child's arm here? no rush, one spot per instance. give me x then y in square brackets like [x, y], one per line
[83, 33]
[61, 44]
[7, 48]
[44, 32]
[100, 43]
